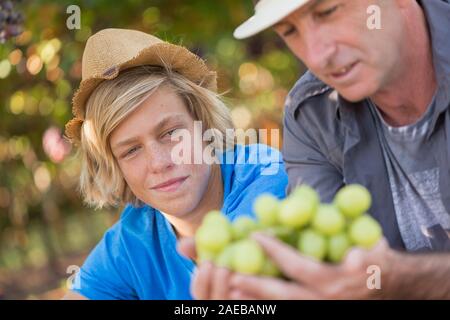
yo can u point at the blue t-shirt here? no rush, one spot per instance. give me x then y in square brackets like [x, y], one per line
[137, 257]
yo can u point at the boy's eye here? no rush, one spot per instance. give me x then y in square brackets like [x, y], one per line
[131, 151]
[170, 132]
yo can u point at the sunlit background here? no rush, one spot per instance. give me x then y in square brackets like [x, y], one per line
[44, 227]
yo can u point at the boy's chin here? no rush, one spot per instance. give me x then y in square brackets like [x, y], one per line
[180, 211]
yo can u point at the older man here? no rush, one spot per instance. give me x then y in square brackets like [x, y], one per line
[372, 109]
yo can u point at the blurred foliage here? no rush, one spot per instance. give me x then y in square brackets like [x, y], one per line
[42, 217]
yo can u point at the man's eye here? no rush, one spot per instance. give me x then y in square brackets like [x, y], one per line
[327, 12]
[289, 32]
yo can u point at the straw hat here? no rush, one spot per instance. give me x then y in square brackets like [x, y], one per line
[110, 51]
[267, 13]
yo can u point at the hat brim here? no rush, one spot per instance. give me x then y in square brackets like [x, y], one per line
[267, 16]
[177, 58]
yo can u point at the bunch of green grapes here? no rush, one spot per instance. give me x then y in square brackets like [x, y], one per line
[324, 232]
[10, 20]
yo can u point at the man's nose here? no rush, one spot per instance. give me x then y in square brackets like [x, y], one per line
[319, 48]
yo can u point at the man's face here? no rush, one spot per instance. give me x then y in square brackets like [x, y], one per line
[142, 146]
[333, 40]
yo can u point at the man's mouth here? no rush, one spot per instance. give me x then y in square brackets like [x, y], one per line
[170, 185]
[341, 73]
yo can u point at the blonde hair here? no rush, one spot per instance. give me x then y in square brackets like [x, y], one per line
[101, 180]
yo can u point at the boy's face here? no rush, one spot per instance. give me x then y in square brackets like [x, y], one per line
[142, 146]
[334, 40]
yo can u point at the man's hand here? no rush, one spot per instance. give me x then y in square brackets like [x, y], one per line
[309, 279]
[209, 281]
[403, 276]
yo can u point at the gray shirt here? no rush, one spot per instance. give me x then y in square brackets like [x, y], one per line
[413, 172]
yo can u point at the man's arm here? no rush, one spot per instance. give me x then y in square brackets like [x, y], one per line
[421, 276]
[304, 154]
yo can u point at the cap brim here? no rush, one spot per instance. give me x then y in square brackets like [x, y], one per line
[266, 17]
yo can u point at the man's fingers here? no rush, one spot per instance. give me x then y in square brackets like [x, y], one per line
[186, 246]
[201, 283]
[268, 288]
[382, 245]
[358, 258]
[220, 284]
[291, 262]
[240, 295]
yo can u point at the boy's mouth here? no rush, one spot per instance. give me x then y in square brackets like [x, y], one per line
[170, 185]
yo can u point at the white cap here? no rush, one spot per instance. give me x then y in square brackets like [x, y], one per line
[267, 13]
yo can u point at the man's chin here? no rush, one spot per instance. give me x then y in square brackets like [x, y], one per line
[355, 94]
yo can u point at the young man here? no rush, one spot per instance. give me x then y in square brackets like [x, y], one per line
[373, 109]
[135, 124]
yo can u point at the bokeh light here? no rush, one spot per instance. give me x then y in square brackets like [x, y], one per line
[34, 64]
[5, 68]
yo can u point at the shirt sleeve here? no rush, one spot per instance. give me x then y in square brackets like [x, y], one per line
[305, 162]
[105, 274]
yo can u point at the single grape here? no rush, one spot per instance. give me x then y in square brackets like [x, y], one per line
[365, 231]
[215, 217]
[213, 238]
[328, 220]
[353, 200]
[338, 246]
[242, 227]
[305, 191]
[269, 269]
[266, 209]
[225, 258]
[312, 244]
[248, 257]
[296, 212]
[283, 233]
